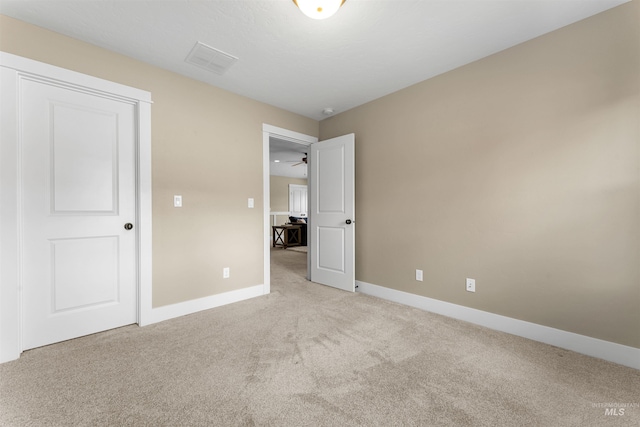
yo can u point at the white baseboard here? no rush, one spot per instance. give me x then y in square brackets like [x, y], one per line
[617, 353]
[172, 311]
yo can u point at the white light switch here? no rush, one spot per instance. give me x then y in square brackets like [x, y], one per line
[177, 201]
[251, 203]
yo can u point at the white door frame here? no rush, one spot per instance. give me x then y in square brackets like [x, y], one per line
[287, 135]
[14, 69]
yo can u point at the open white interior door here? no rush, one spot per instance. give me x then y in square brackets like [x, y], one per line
[332, 207]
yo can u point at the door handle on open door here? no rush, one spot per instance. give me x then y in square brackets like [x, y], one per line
[128, 226]
[348, 221]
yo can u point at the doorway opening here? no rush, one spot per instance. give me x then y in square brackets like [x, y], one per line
[290, 149]
[331, 221]
[289, 206]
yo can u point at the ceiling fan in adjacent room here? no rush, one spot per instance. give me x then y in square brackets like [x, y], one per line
[299, 162]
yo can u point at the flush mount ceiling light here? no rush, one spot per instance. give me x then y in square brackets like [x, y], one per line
[319, 9]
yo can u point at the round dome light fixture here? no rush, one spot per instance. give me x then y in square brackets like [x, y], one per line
[319, 9]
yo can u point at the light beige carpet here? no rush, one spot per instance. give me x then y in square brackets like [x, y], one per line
[302, 249]
[308, 355]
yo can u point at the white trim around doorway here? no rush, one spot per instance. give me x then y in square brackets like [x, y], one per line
[269, 131]
[14, 68]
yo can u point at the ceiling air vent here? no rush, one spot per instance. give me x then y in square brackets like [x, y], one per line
[210, 59]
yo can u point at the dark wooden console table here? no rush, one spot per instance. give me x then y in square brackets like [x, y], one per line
[286, 235]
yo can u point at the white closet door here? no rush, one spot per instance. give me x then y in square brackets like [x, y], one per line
[78, 181]
[298, 205]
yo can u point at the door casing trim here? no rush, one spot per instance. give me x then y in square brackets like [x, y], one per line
[13, 69]
[269, 131]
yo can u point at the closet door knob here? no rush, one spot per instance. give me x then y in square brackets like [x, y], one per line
[128, 226]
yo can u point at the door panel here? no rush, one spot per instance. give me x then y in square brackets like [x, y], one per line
[89, 185]
[331, 179]
[331, 252]
[78, 180]
[76, 262]
[333, 208]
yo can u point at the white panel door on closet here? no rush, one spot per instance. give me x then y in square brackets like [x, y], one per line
[79, 206]
[332, 208]
[298, 205]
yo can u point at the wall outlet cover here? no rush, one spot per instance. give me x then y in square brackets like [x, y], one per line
[471, 285]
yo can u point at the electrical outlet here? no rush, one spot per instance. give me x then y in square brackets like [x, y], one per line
[225, 273]
[419, 275]
[471, 285]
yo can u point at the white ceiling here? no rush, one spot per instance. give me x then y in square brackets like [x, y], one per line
[285, 159]
[370, 48]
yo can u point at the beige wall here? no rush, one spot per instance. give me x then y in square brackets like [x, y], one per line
[521, 170]
[279, 193]
[206, 146]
